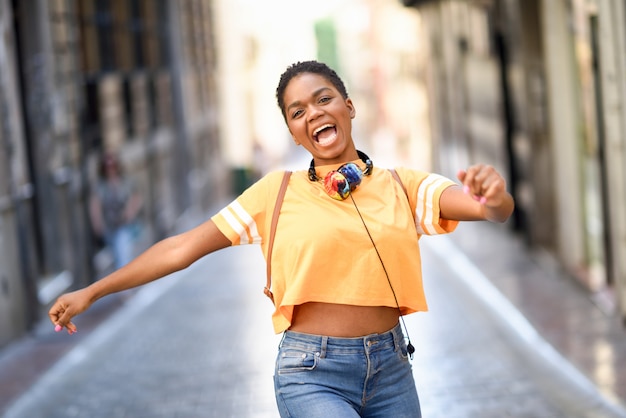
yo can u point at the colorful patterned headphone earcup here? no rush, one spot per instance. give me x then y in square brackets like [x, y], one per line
[352, 173]
[339, 183]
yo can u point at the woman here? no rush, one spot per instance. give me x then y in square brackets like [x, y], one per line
[114, 208]
[345, 260]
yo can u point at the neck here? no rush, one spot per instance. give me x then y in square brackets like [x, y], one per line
[369, 165]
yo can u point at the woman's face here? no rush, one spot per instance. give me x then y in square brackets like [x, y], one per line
[320, 119]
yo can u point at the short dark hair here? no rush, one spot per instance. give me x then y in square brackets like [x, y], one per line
[107, 160]
[314, 67]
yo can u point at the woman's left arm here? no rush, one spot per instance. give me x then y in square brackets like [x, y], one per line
[482, 196]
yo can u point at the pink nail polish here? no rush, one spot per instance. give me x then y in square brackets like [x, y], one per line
[58, 328]
[483, 200]
[466, 189]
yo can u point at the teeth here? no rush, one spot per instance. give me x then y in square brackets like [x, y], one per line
[328, 140]
[321, 128]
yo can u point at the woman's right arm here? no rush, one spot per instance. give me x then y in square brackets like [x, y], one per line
[163, 258]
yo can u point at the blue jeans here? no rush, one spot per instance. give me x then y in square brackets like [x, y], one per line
[318, 376]
[120, 241]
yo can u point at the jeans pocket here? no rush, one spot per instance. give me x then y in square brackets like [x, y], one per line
[293, 361]
[403, 352]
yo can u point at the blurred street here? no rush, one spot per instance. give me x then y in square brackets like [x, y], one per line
[527, 319]
[200, 344]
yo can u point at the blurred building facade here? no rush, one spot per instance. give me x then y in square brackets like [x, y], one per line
[533, 87]
[79, 78]
[537, 88]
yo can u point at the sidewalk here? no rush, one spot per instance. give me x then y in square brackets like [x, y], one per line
[553, 303]
[503, 339]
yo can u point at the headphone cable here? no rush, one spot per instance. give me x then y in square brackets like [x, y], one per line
[409, 347]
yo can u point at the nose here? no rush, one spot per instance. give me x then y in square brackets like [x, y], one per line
[315, 112]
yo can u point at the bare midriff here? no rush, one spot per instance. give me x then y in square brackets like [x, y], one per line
[345, 321]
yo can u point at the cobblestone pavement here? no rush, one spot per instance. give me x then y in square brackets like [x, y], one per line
[200, 344]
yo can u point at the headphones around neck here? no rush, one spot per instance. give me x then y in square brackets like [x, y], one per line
[341, 182]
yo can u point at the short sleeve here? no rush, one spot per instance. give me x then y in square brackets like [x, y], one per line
[243, 221]
[424, 190]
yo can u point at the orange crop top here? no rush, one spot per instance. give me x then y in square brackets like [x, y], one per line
[322, 252]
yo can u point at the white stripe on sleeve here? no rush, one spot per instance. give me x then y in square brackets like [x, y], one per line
[234, 224]
[424, 210]
[255, 238]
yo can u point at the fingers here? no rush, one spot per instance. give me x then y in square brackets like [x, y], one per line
[482, 182]
[61, 318]
[71, 328]
[61, 314]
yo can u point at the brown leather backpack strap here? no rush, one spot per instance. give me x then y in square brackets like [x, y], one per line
[270, 244]
[395, 175]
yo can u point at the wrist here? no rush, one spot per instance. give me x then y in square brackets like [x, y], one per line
[94, 291]
[501, 212]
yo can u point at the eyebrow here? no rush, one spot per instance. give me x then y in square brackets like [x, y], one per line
[315, 94]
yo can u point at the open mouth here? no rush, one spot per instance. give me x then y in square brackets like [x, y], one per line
[325, 134]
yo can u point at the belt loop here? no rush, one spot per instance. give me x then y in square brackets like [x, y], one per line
[282, 339]
[398, 336]
[323, 348]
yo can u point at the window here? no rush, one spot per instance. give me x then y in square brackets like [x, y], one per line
[124, 38]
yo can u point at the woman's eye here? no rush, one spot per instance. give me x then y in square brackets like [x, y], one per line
[324, 99]
[296, 113]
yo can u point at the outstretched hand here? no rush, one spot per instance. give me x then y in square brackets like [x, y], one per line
[484, 184]
[66, 307]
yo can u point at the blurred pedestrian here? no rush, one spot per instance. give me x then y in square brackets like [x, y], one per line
[345, 261]
[114, 209]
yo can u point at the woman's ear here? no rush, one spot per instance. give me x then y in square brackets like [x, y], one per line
[351, 108]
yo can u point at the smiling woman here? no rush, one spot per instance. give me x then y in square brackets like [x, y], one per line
[345, 268]
[318, 113]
